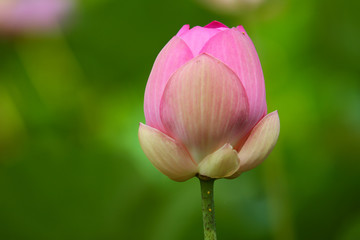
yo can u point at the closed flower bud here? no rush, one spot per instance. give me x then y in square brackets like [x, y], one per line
[205, 105]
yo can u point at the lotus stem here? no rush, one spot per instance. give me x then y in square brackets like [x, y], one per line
[208, 211]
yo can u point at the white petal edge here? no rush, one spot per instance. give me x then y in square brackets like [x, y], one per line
[260, 143]
[222, 163]
[167, 155]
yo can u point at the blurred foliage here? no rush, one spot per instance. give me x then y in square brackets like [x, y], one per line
[70, 163]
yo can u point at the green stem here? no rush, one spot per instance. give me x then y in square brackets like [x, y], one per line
[208, 211]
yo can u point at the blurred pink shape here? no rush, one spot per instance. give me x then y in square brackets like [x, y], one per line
[231, 6]
[18, 16]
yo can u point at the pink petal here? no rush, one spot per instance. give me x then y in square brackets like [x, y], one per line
[171, 57]
[260, 143]
[167, 155]
[241, 29]
[196, 37]
[222, 163]
[236, 50]
[183, 30]
[216, 24]
[204, 106]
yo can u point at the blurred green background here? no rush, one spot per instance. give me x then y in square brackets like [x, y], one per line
[70, 163]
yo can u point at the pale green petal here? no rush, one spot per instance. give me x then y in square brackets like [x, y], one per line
[222, 163]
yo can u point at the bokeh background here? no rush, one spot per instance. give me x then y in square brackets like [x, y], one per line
[70, 103]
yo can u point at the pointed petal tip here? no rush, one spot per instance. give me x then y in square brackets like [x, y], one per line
[216, 24]
[183, 30]
[205, 55]
[275, 116]
[227, 146]
[241, 29]
[141, 126]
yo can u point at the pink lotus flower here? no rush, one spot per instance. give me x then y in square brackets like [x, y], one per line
[205, 105]
[18, 16]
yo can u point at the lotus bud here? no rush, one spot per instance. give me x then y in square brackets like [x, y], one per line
[205, 106]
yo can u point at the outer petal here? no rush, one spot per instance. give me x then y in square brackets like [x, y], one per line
[222, 163]
[260, 142]
[236, 50]
[168, 156]
[171, 57]
[196, 37]
[204, 106]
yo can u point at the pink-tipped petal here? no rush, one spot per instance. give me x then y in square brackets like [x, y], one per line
[241, 29]
[260, 142]
[237, 51]
[183, 30]
[216, 24]
[168, 156]
[222, 163]
[196, 37]
[171, 57]
[204, 106]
